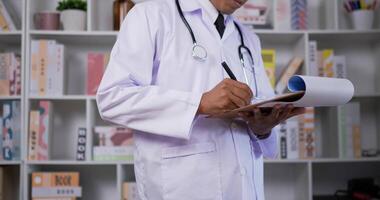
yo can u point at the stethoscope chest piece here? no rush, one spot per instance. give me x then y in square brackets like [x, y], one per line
[199, 52]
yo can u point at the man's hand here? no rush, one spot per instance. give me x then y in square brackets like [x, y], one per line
[227, 95]
[261, 123]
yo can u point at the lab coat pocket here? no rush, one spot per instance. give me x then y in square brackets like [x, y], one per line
[191, 172]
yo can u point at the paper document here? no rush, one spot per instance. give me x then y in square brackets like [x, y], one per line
[306, 91]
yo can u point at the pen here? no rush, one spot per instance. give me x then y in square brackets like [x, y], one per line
[228, 70]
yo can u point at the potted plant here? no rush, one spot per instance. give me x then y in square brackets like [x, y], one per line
[73, 14]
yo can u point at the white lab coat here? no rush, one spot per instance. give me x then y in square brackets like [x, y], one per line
[154, 86]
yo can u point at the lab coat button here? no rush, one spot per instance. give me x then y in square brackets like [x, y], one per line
[243, 171]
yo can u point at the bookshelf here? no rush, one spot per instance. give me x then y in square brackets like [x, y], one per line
[284, 179]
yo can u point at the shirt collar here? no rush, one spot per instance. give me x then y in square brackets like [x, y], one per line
[206, 6]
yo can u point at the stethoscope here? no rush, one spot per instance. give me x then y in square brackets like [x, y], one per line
[199, 52]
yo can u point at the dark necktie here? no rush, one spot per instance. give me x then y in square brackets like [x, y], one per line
[219, 24]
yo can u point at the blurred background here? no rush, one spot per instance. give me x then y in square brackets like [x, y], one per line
[54, 144]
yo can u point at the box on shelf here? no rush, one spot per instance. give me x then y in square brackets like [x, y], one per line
[254, 12]
[291, 15]
[40, 131]
[11, 125]
[47, 68]
[10, 74]
[56, 185]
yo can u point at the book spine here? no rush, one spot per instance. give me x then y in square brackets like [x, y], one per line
[43, 62]
[7, 131]
[34, 125]
[60, 59]
[4, 75]
[81, 147]
[269, 59]
[113, 151]
[53, 192]
[55, 179]
[51, 68]
[12, 63]
[283, 141]
[129, 191]
[283, 15]
[44, 130]
[292, 132]
[95, 67]
[340, 70]
[313, 58]
[307, 144]
[34, 67]
[328, 62]
[18, 75]
[4, 16]
[16, 128]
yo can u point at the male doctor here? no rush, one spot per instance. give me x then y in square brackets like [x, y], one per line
[165, 77]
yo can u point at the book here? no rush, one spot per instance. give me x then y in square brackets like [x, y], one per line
[307, 138]
[6, 22]
[305, 91]
[283, 15]
[81, 144]
[282, 140]
[299, 15]
[54, 192]
[56, 181]
[253, 12]
[349, 130]
[96, 64]
[47, 68]
[292, 69]
[340, 69]
[34, 126]
[10, 74]
[313, 58]
[129, 191]
[45, 130]
[269, 59]
[11, 130]
[292, 139]
[4, 75]
[104, 153]
[328, 62]
[113, 136]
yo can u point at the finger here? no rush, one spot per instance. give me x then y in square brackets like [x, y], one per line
[297, 111]
[286, 112]
[241, 88]
[256, 112]
[275, 111]
[238, 101]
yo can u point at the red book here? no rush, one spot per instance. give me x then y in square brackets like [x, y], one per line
[96, 63]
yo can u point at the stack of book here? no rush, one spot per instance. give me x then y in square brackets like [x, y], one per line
[326, 63]
[47, 68]
[10, 74]
[10, 130]
[96, 65]
[129, 191]
[6, 22]
[291, 14]
[297, 137]
[55, 186]
[256, 13]
[114, 143]
[40, 130]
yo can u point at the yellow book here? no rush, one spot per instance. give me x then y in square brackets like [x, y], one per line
[269, 59]
[43, 62]
[55, 179]
[328, 62]
[34, 125]
[3, 23]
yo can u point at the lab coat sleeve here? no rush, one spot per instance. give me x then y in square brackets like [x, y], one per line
[269, 145]
[126, 95]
